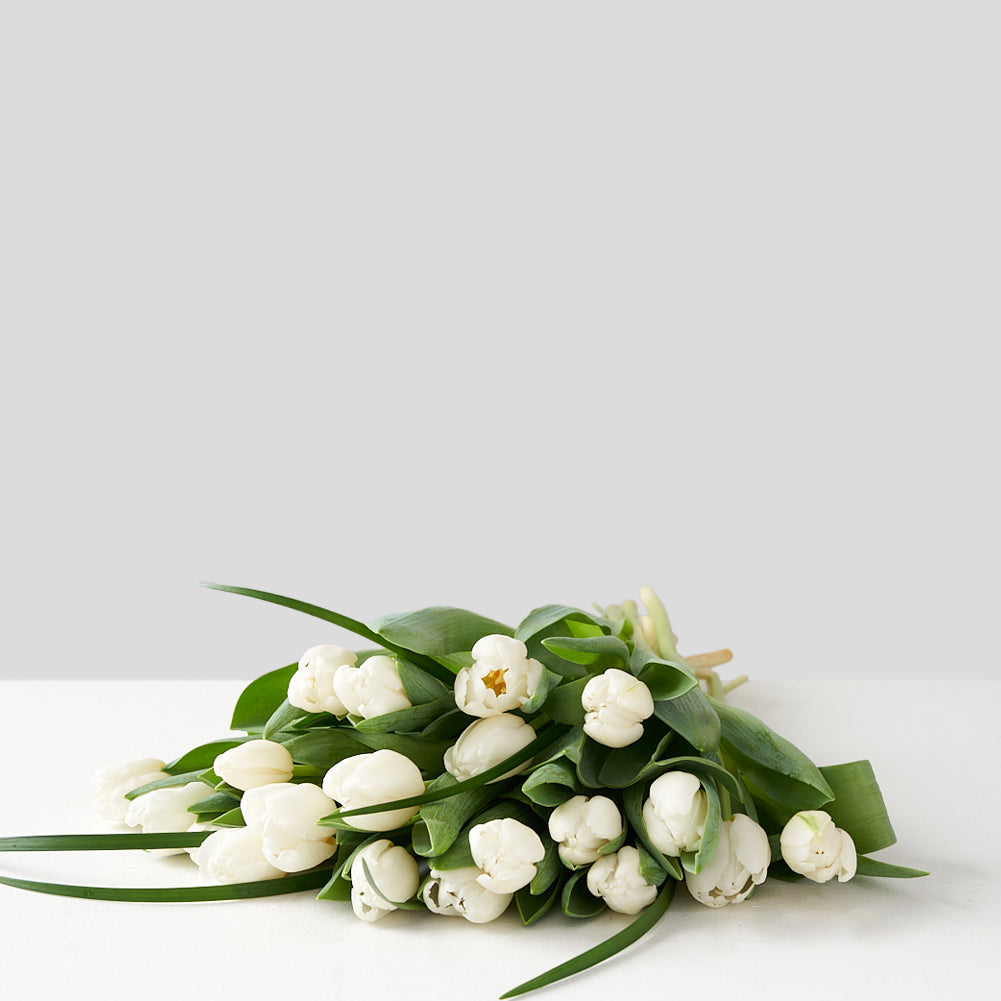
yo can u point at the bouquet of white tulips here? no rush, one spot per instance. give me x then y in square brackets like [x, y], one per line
[458, 766]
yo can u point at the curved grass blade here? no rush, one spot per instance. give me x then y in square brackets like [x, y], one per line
[178, 894]
[546, 737]
[100, 842]
[605, 950]
[344, 621]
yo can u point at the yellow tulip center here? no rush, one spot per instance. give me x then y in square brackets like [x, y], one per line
[494, 680]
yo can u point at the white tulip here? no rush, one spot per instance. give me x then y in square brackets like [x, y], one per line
[617, 879]
[486, 743]
[285, 816]
[165, 811]
[456, 893]
[369, 779]
[675, 813]
[373, 689]
[739, 863]
[312, 686]
[583, 826]
[112, 782]
[254, 763]
[197, 828]
[505, 851]
[501, 678]
[234, 855]
[615, 704]
[394, 872]
[815, 848]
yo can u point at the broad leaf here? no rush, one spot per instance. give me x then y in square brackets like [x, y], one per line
[858, 806]
[596, 652]
[436, 631]
[692, 716]
[438, 824]
[261, 698]
[201, 757]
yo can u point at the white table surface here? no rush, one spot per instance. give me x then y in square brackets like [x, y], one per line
[934, 747]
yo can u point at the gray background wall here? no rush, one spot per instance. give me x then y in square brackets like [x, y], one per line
[392, 305]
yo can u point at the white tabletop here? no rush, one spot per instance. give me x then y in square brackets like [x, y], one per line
[934, 747]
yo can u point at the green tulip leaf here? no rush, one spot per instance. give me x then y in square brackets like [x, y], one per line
[775, 771]
[261, 698]
[552, 783]
[543, 741]
[605, 950]
[858, 806]
[421, 687]
[344, 621]
[178, 894]
[532, 906]
[596, 652]
[201, 757]
[181, 779]
[576, 900]
[436, 631]
[412, 720]
[692, 716]
[873, 867]
[564, 702]
[632, 805]
[439, 823]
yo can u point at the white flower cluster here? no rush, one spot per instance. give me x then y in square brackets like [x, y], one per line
[283, 832]
[327, 681]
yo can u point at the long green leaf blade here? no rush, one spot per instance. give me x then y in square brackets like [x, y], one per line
[344, 621]
[605, 950]
[100, 842]
[545, 738]
[178, 894]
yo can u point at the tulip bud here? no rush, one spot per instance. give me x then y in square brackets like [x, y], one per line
[618, 880]
[369, 779]
[583, 826]
[506, 851]
[233, 855]
[373, 689]
[165, 811]
[312, 686]
[648, 632]
[739, 863]
[456, 893]
[197, 828]
[285, 816]
[815, 848]
[486, 743]
[615, 704]
[675, 813]
[501, 678]
[254, 763]
[112, 782]
[394, 873]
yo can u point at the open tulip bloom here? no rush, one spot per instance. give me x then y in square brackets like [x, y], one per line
[457, 765]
